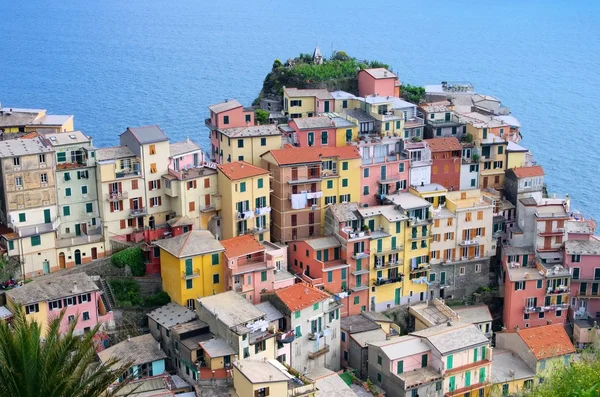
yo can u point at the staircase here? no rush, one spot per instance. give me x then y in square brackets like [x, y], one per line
[107, 296]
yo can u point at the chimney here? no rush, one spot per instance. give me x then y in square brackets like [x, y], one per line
[128, 337]
[75, 289]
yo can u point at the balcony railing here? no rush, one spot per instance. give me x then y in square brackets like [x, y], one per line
[116, 196]
[360, 255]
[542, 309]
[468, 243]
[190, 275]
[553, 232]
[452, 121]
[137, 211]
[388, 264]
[318, 353]
[558, 290]
[384, 281]
[127, 172]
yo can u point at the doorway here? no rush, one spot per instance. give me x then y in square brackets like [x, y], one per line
[77, 257]
[46, 267]
[94, 253]
[62, 264]
[326, 106]
[47, 218]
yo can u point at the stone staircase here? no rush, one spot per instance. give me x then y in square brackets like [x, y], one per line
[107, 296]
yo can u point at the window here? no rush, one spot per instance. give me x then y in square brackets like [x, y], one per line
[152, 149]
[323, 137]
[153, 168]
[84, 190]
[298, 330]
[215, 259]
[500, 149]
[44, 178]
[55, 305]
[356, 299]
[86, 316]
[192, 206]
[462, 271]
[345, 166]
[33, 308]
[519, 285]
[248, 118]
[215, 279]
[449, 361]
[378, 377]
[366, 173]
[155, 201]
[297, 314]
[71, 319]
[189, 283]
[263, 276]
[263, 141]
[61, 157]
[401, 167]
[365, 190]
[344, 182]
[225, 119]
[478, 268]
[329, 184]
[316, 306]
[89, 207]
[240, 143]
[576, 258]
[19, 181]
[311, 138]
[344, 198]
[242, 187]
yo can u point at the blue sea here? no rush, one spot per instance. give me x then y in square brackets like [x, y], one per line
[120, 63]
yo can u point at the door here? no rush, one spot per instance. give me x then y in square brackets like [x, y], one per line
[383, 172]
[78, 229]
[77, 257]
[485, 182]
[94, 253]
[61, 260]
[47, 218]
[371, 224]
[84, 228]
[397, 296]
[326, 106]
[46, 267]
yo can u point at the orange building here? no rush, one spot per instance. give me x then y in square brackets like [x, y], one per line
[446, 154]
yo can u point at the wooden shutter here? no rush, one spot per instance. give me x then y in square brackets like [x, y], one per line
[482, 231]
[134, 184]
[479, 215]
[149, 185]
[192, 206]
[159, 200]
[207, 182]
[158, 184]
[464, 236]
[123, 224]
[112, 207]
[151, 202]
[120, 186]
[207, 200]
[131, 203]
[195, 184]
[120, 205]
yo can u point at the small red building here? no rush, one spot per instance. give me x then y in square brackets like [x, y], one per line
[175, 227]
[378, 81]
[446, 154]
[313, 131]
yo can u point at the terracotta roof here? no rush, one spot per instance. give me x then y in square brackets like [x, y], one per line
[30, 135]
[547, 341]
[240, 170]
[443, 144]
[293, 155]
[241, 245]
[299, 296]
[528, 172]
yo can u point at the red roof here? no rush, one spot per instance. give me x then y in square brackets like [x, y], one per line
[294, 155]
[241, 245]
[547, 341]
[443, 144]
[299, 296]
[240, 170]
[528, 172]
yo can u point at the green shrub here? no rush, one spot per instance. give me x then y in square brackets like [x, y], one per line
[160, 299]
[133, 257]
[262, 116]
[126, 292]
[412, 93]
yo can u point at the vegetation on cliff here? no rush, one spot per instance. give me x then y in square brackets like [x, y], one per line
[338, 72]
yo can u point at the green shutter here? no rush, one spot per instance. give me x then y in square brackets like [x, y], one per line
[483, 351]
[345, 166]
[398, 227]
[242, 187]
[89, 207]
[36, 240]
[475, 354]
[330, 184]
[449, 360]
[66, 210]
[468, 378]
[22, 217]
[482, 375]
[344, 182]
[366, 173]
[393, 243]
[263, 276]
[329, 277]
[318, 255]
[260, 183]
[215, 259]
[11, 245]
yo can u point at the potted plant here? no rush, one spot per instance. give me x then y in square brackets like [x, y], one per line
[475, 157]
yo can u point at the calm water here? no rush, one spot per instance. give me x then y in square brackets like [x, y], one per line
[119, 63]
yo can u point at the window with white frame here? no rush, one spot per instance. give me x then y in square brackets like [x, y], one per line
[71, 318]
[154, 201]
[19, 181]
[55, 305]
[71, 301]
[477, 268]
[44, 178]
[86, 316]
[462, 271]
[33, 308]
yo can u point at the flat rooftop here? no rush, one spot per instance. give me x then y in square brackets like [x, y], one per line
[456, 337]
[508, 366]
[389, 212]
[231, 308]
[408, 201]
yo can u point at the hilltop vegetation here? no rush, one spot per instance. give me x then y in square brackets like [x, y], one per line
[337, 72]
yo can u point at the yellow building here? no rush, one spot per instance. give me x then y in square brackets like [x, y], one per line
[245, 200]
[510, 374]
[191, 266]
[386, 251]
[27, 120]
[298, 103]
[256, 378]
[345, 131]
[416, 244]
[389, 121]
[517, 156]
[247, 143]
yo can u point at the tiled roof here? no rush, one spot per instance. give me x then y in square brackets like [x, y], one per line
[139, 350]
[547, 341]
[180, 148]
[195, 242]
[314, 122]
[380, 73]
[452, 338]
[358, 323]
[231, 308]
[299, 296]
[240, 170]
[183, 220]
[434, 107]
[583, 247]
[320, 243]
[345, 211]
[54, 288]
[444, 144]
[241, 245]
[528, 172]
[23, 147]
[251, 130]
[147, 134]
[225, 106]
[172, 314]
[298, 92]
[112, 153]
[293, 155]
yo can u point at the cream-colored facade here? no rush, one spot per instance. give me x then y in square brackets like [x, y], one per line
[247, 143]
[17, 120]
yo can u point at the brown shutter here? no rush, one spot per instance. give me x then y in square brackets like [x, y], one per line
[131, 203]
[482, 231]
[158, 183]
[149, 185]
[206, 182]
[112, 207]
[159, 200]
[464, 236]
[123, 224]
[151, 203]
[121, 205]
[120, 186]
[134, 184]
[192, 206]
[195, 184]
[207, 200]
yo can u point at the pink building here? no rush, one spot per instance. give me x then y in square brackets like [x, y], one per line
[228, 114]
[254, 268]
[77, 294]
[313, 131]
[582, 258]
[378, 81]
[385, 169]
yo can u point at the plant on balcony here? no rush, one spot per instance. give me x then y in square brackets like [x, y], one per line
[467, 138]
[475, 158]
[417, 139]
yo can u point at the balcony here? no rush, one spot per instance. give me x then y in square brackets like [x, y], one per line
[188, 275]
[128, 172]
[92, 235]
[207, 208]
[310, 178]
[469, 243]
[361, 255]
[318, 353]
[31, 230]
[116, 196]
[453, 121]
[588, 295]
[359, 288]
[558, 290]
[553, 232]
[134, 212]
[360, 272]
[383, 281]
[543, 309]
[382, 159]
[379, 265]
[247, 214]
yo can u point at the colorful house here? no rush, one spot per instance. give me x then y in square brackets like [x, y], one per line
[246, 143]
[442, 120]
[252, 268]
[28, 203]
[446, 155]
[517, 156]
[142, 351]
[378, 81]
[191, 266]
[256, 378]
[420, 163]
[522, 182]
[245, 201]
[319, 131]
[76, 294]
[299, 103]
[305, 180]
[510, 374]
[28, 120]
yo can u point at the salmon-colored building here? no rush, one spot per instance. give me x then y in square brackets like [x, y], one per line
[446, 155]
[378, 81]
[313, 131]
[228, 114]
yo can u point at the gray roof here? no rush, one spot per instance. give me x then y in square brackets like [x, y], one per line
[17, 117]
[53, 288]
[579, 227]
[259, 371]
[272, 313]
[358, 323]
[583, 247]
[217, 347]
[320, 243]
[23, 147]
[231, 308]
[342, 122]
[112, 153]
[378, 317]
[320, 93]
[329, 383]
[66, 138]
[193, 342]
[402, 346]
[508, 366]
[389, 212]
[172, 314]
[458, 336]
[342, 95]
[513, 147]
[147, 134]
[380, 73]
[252, 130]
[225, 106]
[180, 148]
[510, 250]
[182, 220]
[528, 201]
[193, 325]
[314, 122]
[345, 211]
[4, 312]
[408, 201]
[139, 350]
[364, 338]
[192, 243]
[359, 115]
[474, 314]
